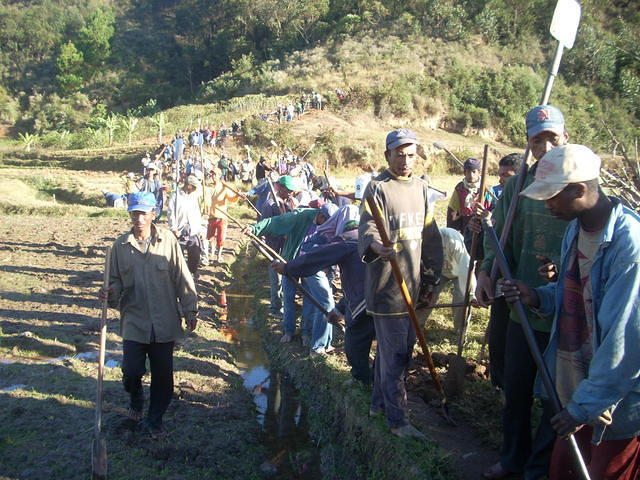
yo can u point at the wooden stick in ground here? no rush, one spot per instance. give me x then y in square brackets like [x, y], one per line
[395, 267]
[99, 446]
[472, 255]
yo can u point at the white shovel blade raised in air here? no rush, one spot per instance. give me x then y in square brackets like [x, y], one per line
[566, 19]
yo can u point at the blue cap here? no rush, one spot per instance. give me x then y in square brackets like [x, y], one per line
[472, 164]
[399, 137]
[544, 118]
[141, 202]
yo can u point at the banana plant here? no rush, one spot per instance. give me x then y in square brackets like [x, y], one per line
[28, 140]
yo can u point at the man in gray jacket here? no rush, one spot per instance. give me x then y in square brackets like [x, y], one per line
[417, 246]
[150, 284]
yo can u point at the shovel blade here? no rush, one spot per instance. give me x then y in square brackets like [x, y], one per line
[99, 459]
[455, 382]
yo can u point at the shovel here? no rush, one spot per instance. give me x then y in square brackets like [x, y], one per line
[377, 217]
[564, 26]
[454, 384]
[99, 444]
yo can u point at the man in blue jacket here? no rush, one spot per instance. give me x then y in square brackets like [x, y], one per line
[592, 353]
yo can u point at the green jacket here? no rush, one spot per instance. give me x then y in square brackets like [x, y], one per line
[292, 224]
[534, 232]
[151, 290]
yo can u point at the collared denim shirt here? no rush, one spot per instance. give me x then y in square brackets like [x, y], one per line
[614, 372]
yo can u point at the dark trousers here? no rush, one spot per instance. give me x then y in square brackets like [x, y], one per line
[193, 246]
[396, 338]
[134, 356]
[498, 323]
[358, 337]
[519, 453]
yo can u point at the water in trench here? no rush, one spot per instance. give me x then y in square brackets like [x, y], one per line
[291, 453]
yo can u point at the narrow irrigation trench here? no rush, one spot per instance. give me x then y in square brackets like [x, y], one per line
[280, 410]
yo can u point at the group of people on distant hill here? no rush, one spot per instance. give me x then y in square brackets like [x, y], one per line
[574, 252]
[290, 111]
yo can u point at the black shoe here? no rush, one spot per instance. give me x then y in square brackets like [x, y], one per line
[154, 431]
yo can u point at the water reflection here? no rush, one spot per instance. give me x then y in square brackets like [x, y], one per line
[279, 408]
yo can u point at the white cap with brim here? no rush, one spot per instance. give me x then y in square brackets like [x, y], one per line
[561, 166]
[193, 180]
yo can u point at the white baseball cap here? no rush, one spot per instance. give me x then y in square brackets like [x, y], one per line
[561, 166]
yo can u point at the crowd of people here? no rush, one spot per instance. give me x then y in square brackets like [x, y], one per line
[573, 251]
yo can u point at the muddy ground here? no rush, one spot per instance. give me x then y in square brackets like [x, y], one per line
[50, 270]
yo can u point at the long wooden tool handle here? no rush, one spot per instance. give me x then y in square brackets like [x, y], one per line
[511, 212]
[242, 195]
[103, 341]
[472, 253]
[260, 246]
[377, 217]
[445, 305]
[257, 239]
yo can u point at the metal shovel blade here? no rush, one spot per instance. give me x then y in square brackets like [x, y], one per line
[566, 19]
[99, 459]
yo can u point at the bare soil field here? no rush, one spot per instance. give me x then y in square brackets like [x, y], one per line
[49, 319]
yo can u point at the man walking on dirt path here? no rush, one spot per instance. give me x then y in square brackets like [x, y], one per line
[535, 235]
[185, 221]
[150, 284]
[593, 350]
[417, 247]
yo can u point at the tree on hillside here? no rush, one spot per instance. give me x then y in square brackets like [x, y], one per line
[159, 121]
[308, 18]
[28, 140]
[70, 67]
[94, 39]
[111, 124]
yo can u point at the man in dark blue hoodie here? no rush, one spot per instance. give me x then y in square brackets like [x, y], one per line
[343, 251]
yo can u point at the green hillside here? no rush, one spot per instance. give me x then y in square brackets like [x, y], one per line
[80, 74]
